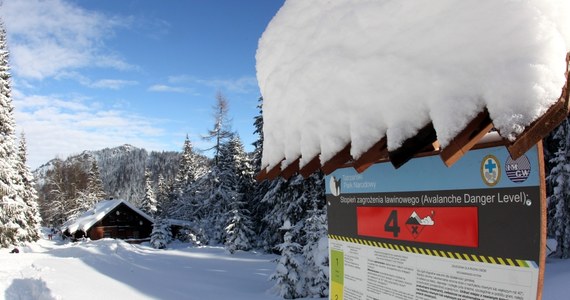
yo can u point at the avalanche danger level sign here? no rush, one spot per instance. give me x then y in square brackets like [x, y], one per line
[453, 226]
[425, 231]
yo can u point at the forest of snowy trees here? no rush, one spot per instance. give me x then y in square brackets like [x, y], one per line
[217, 198]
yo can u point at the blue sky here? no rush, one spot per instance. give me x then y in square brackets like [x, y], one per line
[93, 74]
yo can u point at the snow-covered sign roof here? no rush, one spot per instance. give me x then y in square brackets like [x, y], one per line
[360, 80]
[101, 209]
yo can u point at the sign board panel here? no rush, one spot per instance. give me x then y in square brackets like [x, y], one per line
[425, 231]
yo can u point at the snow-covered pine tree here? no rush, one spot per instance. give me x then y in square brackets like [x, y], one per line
[13, 223]
[161, 196]
[94, 182]
[559, 179]
[239, 230]
[94, 191]
[186, 174]
[258, 144]
[160, 235]
[315, 250]
[265, 194]
[294, 202]
[30, 195]
[148, 204]
[182, 202]
[223, 193]
[277, 200]
[205, 190]
[551, 145]
[289, 201]
[288, 275]
[267, 214]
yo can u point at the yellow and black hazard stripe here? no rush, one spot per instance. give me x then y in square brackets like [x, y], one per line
[438, 253]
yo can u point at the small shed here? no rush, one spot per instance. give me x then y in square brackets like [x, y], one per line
[117, 219]
[176, 226]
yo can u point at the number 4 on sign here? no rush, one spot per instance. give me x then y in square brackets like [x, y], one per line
[391, 224]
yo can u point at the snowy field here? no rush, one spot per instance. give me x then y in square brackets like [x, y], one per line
[112, 269]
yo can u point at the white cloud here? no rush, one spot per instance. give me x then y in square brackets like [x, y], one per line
[167, 88]
[113, 84]
[46, 37]
[55, 126]
[245, 84]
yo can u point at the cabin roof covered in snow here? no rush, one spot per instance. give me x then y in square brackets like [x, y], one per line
[101, 209]
[362, 81]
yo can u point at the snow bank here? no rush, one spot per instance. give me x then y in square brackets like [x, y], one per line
[334, 72]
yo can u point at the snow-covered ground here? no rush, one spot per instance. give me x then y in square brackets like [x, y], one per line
[113, 269]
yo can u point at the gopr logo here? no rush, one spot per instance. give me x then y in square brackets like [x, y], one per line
[490, 170]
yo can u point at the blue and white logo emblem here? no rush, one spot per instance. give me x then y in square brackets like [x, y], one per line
[517, 170]
[490, 170]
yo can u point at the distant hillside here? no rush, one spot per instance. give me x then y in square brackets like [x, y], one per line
[122, 169]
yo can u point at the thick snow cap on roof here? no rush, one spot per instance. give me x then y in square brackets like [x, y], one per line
[92, 216]
[338, 72]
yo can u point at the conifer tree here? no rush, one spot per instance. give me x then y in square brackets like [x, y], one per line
[258, 144]
[268, 213]
[265, 194]
[94, 182]
[30, 195]
[149, 201]
[224, 193]
[559, 179]
[160, 235]
[224, 182]
[94, 191]
[222, 129]
[239, 230]
[186, 174]
[315, 251]
[161, 196]
[288, 274]
[182, 202]
[289, 200]
[12, 207]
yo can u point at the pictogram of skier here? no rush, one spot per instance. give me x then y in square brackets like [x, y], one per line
[416, 225]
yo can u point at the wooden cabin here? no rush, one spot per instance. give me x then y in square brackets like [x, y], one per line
[111, 219]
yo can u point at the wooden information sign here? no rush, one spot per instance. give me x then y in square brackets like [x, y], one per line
[475, 230]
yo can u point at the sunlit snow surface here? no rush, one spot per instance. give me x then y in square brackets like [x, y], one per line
[334, 72]
[113, 269]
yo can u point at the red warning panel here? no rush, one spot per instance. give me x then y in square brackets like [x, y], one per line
[452, 226]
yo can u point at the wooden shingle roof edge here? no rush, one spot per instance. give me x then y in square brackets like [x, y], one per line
[425, 143]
